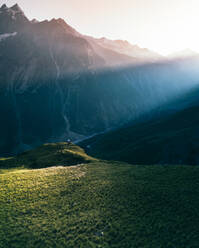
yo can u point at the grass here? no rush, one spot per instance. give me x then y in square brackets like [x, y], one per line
[48, 155]
[100, 204]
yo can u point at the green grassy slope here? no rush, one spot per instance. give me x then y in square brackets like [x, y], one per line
[94, 203]
[100, 204]
[48, 155]
[168, 140]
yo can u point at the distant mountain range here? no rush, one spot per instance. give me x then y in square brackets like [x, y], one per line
[56, 83]
[124, 47]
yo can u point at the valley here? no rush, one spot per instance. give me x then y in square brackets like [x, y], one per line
[57, 84]
[99, 138]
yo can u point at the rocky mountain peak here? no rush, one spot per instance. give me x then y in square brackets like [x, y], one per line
[61, 24]
[12, 19]
[13, 11]
[17, 9]
[3, 7]
[34, 21]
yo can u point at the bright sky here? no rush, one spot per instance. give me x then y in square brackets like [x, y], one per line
[164, 26]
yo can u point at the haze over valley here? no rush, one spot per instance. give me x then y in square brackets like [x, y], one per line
[57, 84]
[99, 137]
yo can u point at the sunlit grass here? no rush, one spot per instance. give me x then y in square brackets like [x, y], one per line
[52, 154]
[100, 204]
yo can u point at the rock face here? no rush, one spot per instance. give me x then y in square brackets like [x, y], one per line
[56, 83]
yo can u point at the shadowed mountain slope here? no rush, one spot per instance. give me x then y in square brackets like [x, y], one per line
[165, 139]
[55, 84]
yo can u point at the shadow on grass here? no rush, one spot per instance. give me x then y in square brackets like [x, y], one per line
[101, 204]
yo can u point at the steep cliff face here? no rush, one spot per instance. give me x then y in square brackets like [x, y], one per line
[55, 84]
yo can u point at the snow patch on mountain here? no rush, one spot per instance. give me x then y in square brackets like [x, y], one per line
[7, 35]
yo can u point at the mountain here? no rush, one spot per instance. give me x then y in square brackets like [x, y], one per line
[186, 53]
[168, 138]
[56, 84]
[124, 47]
[12, 19]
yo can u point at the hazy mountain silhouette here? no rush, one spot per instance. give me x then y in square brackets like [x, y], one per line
[56, 83]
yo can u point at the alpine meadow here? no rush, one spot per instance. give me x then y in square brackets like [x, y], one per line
[99, 135]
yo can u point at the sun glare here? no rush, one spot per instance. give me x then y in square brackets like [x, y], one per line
[165, 26]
